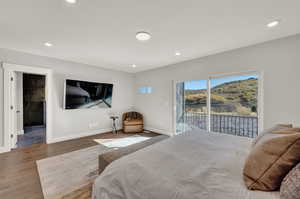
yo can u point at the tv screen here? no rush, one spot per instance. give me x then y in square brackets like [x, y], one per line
[83, 95]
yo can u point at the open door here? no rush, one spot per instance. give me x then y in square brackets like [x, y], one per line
[191, 106]
[13, 110]
[13, 104]
[180, 108]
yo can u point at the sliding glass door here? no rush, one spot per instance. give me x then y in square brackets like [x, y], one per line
[225, 105]
[191, 107]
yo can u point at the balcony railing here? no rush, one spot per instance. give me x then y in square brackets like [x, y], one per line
[246, 126]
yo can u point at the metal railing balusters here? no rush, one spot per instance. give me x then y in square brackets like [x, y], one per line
[229, 124]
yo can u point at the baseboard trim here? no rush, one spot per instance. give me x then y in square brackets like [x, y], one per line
[3, 150]
[80, 135]
[21, 132]
[160, 131]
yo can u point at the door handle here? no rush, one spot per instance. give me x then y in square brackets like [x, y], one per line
[18, 111]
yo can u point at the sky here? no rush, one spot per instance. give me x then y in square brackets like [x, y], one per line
[201, 84]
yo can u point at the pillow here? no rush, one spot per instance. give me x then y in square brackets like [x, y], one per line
[270, 130]
[290, 186]
[273, 156]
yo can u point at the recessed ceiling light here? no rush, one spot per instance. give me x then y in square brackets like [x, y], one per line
[143, 36]
[48, 44]
[177, 53]
[273, 24]
[133, 66]
[71, 1]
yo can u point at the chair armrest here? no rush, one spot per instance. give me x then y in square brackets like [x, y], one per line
[106, 158]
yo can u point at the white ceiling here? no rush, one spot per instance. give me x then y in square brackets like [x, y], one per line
[102, 32]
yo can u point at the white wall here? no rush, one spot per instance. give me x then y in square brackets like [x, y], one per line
[279, 60]
[73, 123]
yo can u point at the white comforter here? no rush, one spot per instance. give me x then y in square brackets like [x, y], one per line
[195, 165]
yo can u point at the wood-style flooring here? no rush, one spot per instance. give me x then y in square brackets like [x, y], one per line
[18, 171]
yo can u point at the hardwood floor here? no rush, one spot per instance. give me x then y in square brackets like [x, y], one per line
[18, 171]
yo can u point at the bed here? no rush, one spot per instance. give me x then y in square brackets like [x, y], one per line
[194, 165]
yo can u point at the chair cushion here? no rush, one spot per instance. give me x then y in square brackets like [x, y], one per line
[133, 128]
[132, 116]
[273, 156]
[133, 122]
[290, 186]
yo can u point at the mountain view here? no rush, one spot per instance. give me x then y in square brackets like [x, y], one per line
[234, 98]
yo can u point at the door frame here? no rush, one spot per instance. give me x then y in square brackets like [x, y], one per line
[9, 69]
[260, 97]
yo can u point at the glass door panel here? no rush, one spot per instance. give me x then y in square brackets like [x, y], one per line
[234, 105]
[196, 111]
[191, 106]
[226, 105]
[180, 108]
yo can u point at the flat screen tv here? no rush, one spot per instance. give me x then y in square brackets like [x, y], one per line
[84, 95]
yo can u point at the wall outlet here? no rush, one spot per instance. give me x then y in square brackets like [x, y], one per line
[93, 125]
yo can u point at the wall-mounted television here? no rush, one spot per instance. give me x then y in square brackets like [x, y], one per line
[85, 95]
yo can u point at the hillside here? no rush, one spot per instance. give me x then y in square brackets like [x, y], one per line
[237, 97]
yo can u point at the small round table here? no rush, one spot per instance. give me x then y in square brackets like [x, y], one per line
[114, 127]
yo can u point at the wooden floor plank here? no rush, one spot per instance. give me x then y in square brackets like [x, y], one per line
[19, 177]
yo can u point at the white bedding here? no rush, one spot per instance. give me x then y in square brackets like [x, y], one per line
[195, 165]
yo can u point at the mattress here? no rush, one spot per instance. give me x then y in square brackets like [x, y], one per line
[194, 165]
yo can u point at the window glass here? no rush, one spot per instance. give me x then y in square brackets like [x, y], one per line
[145, 90]
[232, 109]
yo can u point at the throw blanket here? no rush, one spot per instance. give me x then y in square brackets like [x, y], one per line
[194, 165]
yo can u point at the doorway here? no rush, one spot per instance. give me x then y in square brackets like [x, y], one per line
[27, 106]
[31, 109]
